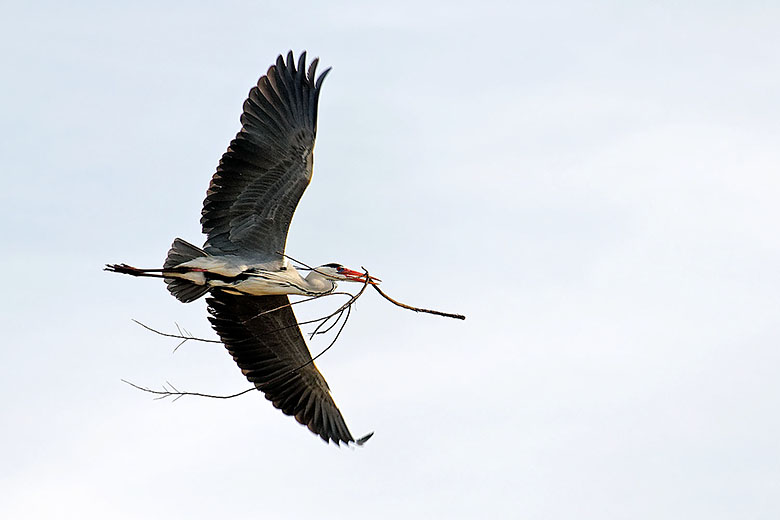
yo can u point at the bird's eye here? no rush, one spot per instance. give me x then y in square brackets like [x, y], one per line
[339, 269]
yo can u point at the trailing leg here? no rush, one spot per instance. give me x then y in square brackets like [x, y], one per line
[185, 283]
[134, 271]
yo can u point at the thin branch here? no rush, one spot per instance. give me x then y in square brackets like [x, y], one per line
[344, 310]
[177, 394]
[307, 266]
[417, 309]
[184, 336]
[312, 360]
[348, 307]
[324, 321]
[403, 305]
[290, 304]
[348, 304]
[343, 324]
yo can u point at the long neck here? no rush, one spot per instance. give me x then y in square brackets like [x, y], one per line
[315, 284]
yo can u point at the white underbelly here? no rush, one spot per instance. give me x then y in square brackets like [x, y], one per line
[258, 286]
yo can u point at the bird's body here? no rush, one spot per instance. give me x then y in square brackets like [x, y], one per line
[232, 274]
[246, 215]
[235, 277]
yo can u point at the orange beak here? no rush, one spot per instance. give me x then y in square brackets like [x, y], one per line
[356, 276]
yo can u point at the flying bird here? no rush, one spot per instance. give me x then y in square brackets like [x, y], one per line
[246, 216]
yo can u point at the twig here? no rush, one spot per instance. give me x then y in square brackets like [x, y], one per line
[177, 336]
[184, 335]
[307, 266]
[167, 393]
[417, 309]
[341, 309]
[348, 307]
[324, 321]
[290, 304]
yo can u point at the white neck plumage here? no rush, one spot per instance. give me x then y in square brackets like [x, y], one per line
[316, 284]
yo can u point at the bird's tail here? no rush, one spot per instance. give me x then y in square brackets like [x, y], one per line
[184, 290]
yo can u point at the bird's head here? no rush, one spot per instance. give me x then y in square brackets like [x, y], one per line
[339, 273]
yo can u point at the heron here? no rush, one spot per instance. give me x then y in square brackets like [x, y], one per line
[246, 216]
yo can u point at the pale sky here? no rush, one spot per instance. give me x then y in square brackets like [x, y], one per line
[595, 185]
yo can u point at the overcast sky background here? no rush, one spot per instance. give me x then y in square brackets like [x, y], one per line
[595, 185]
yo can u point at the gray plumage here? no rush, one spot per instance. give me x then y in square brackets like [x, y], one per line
[262, 176]
[262, 335]
[247, 212]
[246, 216]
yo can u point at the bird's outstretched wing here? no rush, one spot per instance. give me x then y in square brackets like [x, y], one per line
[263, 337]
[262, 176]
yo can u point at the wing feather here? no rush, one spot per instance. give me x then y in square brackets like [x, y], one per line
[269, 348]
[261, 177]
